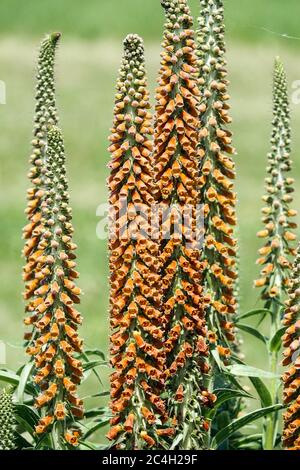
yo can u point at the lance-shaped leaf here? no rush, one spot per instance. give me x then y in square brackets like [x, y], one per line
[239, 423]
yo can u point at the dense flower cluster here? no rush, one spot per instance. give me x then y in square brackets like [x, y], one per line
[137, 355]
[291, 378]
[45, 115]
[217, 172]
[7, 422]
[51, 297]
[173, 261]
[176, 172]
[277, 214]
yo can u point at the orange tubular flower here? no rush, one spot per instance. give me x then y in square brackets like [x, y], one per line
[176, 172]
[53, 341]
[291, 378]
[217, 176]
[44, 423]
[72, 438]
[148, 439]
[60, 411]
[134, 301]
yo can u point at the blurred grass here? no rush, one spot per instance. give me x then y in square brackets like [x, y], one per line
[115, 18]
[86, 73]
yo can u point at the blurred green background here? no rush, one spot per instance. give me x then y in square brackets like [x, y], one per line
[87, 65]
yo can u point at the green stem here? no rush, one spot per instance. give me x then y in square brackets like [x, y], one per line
[270, 425]
[271, 420]
[188, 426]
[56, 436]
[187, 430]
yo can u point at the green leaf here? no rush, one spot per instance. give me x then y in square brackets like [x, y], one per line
[239, 423]
[25, 426]
[262, 391]
[9, 377]
[95, 428]
[176, 441]
[92, 445]
[241, 370]
[225, 394]
[260, 387]
[252, 331]
[25, 374]
[249, 439]
[95, 352]
[252, 313]
[275, 343]
[44, 443]
[97, 395]
[222, 419]
[89, 369]
[21, 442]
[234, 381]
[91, 365]
[255, 445]
[28, 413]
[96, 412]
[217, 358]
[26, 417]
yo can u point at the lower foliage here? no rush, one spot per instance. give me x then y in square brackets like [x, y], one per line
[20, 417]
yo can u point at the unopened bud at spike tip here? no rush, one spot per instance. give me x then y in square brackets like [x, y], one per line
[55, 37]
[279, 186]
